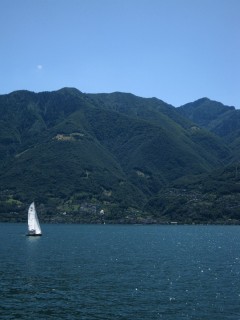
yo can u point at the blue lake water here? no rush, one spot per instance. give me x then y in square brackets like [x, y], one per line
[120, 272]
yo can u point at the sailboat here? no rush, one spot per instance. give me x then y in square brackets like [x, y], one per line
[34, 228]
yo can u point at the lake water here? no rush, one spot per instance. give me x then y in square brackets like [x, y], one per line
[120, 272]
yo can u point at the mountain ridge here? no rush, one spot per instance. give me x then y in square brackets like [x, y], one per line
[75, 153]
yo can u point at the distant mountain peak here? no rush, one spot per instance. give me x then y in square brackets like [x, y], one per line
[69, 90]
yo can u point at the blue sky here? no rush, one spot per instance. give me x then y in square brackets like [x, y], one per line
[175, 50]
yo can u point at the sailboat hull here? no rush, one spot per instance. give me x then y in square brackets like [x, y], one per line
[33, 235]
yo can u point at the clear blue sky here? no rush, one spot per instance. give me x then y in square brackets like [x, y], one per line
[175, 50]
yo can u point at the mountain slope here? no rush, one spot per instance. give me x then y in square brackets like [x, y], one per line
[163, 115]
[77, 153]
[214, 116]
[222, 120]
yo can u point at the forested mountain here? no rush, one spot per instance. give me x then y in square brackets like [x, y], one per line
[214, 116]
[222, 120]
[76, 154]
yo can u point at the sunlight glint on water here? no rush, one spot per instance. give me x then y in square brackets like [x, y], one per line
[120, 272]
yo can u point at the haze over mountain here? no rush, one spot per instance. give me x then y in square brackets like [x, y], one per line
[138, 159]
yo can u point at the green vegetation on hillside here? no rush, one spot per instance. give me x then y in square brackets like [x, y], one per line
[140, 160]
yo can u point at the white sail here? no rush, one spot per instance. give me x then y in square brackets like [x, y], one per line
[33, 223]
